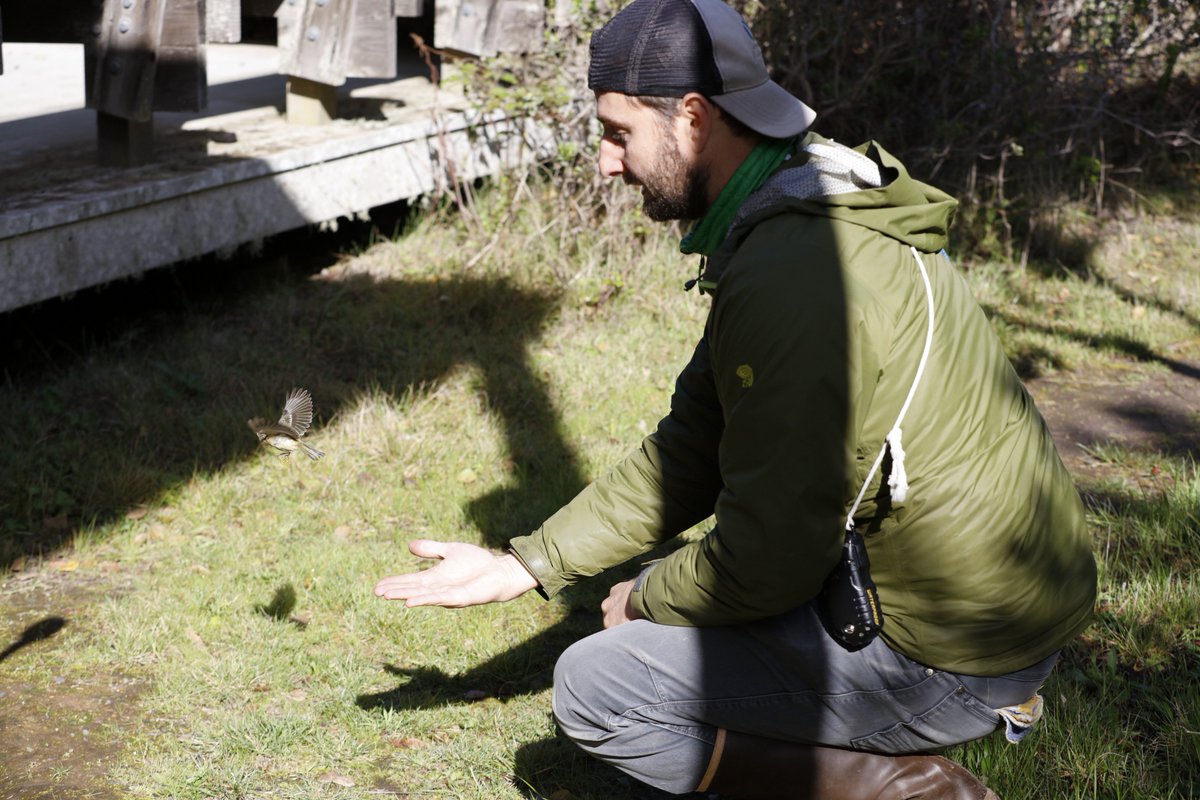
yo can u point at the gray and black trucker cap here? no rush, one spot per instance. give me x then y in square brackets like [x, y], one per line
[667, 48]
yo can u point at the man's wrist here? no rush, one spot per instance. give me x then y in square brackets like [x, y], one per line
[518, 579]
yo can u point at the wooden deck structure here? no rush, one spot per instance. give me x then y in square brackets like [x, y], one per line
[356, 121]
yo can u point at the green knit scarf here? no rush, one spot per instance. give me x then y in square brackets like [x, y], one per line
[710, 230]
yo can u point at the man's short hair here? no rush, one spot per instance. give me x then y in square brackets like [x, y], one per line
[668, 107]
[667, 48]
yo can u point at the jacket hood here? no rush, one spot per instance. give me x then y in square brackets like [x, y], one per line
[865, 185]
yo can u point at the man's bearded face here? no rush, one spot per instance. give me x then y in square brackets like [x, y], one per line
[671, 187]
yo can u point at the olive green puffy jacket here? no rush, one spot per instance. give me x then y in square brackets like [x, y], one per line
[817, 325]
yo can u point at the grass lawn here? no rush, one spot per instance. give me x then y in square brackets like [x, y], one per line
[202, 624]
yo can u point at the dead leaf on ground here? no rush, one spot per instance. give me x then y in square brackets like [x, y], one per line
[338, 778]
[405, 743]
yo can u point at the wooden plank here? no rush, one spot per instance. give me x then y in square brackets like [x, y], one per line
[310, 102]
[125, 55]
[223, 21]
[488, 27]
[371, 51]
[181, 74]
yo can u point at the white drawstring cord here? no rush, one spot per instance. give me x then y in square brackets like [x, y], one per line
[898, 480]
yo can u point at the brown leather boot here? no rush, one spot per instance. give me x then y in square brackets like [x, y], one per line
[752, 767]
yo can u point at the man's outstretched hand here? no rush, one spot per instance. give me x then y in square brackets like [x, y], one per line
[467, 576]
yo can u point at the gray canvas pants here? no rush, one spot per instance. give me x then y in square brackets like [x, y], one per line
[648, 698]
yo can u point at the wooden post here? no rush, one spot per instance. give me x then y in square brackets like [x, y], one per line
[181, 75]
[123, 89]
[123, 142]
[323, 42]
[310, 102]
[223, 21]
[488, 27]
[314, 39]
[409, 8]
[372, 46]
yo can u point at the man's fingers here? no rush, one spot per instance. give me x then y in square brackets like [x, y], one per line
[427, 548]
[453, 597]
[398, 586]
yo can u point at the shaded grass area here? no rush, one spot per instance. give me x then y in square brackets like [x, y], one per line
[468, 402]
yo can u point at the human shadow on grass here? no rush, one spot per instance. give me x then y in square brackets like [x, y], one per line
[525, 668]
[547, 767]
[1026, 361]
[114, 397]
[1063, 252]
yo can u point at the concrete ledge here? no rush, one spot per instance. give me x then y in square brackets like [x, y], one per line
[77, 242]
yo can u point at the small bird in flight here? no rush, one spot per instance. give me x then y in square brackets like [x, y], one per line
[285, 435]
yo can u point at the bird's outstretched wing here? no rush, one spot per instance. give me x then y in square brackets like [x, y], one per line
[297, 411]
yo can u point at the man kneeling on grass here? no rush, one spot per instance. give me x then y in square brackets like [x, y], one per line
[847, 398]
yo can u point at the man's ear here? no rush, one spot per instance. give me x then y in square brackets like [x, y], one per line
[695, 120]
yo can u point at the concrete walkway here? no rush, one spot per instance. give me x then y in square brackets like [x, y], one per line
[42, 94]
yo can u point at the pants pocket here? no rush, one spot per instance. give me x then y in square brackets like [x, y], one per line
[959, 717]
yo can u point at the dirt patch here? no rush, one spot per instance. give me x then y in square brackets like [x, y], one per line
[64, 738]
[1156, 412]
[62, 732]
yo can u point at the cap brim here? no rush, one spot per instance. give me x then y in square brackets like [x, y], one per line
[768, 109]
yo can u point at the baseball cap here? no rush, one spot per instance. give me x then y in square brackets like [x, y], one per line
[667, 48]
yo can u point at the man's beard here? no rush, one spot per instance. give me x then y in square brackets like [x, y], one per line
[674, 189]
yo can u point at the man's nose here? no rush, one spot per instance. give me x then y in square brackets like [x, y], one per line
[611, 163]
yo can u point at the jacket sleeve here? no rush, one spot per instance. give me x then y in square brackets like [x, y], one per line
[781, 364]
[661, 489]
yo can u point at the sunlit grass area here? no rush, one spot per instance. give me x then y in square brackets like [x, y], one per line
[470, 375]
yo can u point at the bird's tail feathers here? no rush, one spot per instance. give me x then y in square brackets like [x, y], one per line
[310, 451]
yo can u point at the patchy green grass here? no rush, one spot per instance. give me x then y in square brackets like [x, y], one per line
[470, 376]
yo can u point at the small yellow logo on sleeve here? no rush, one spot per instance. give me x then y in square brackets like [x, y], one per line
[746, 373]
